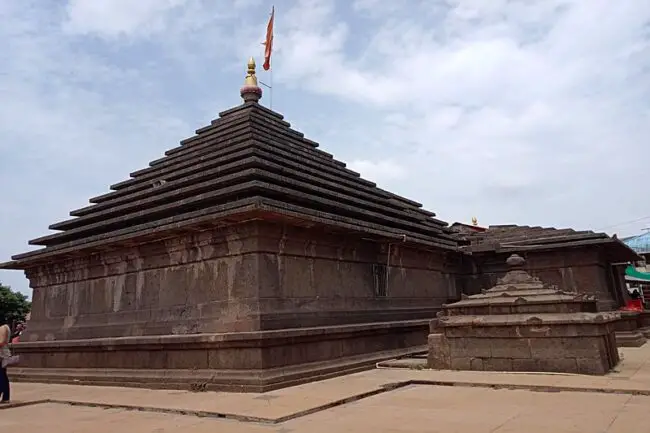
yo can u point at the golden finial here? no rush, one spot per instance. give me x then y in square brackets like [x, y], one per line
[474, 221]
[250, 91]
[251, 79]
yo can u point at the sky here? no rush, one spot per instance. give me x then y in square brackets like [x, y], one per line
[532, 112]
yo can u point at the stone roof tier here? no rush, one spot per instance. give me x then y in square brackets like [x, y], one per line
[515, 238]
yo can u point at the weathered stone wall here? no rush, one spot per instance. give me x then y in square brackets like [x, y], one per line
[581, 270]
[311, 279]
[202, 282]
[253, 276]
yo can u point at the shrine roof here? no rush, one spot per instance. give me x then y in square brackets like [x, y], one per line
[511, 237]
[248, 162]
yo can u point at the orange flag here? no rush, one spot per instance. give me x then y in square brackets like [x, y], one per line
[268, 44]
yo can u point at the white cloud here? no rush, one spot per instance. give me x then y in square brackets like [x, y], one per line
[119, 17]
[71, 123]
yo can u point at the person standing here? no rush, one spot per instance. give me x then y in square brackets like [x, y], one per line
[5, 353]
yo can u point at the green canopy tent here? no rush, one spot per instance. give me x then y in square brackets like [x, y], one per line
[631, 274]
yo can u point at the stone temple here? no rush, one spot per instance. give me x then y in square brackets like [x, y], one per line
[245, 259]
[248, 259]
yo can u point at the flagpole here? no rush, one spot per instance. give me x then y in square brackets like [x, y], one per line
[270, 87]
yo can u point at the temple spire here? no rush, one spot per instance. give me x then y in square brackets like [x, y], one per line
[250, 91]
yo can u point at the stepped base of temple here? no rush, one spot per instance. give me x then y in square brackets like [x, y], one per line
[241, 361]
[630, 328]
[630, 339]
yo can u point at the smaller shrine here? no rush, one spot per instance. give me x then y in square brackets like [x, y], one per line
[523, 324]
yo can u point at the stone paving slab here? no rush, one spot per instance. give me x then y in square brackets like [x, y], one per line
[413, 409]
[445, 409]
[55, 418]
[268, 406]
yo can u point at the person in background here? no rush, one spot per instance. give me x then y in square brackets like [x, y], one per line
[19, 329]
[5, 338]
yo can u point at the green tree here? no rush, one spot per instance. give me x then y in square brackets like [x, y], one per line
[14, 306]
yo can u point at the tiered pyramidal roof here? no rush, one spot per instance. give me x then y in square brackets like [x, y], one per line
[247, 164]
[524, 238]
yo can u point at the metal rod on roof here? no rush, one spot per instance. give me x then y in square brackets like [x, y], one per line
[270, 87]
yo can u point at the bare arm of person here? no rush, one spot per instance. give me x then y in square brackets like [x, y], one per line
[4, 337]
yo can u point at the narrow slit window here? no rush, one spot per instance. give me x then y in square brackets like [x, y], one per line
[379, 273]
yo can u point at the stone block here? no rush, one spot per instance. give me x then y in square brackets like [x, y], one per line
[557, 365]
[524, 365]
[482, 332]
[546, 348]
[576, 330]
[497, 364]
[510, 348]
[454, 332]
[567, 347]
[535, 331]
[439, 355]
[594, 366]
[477, 364]
[470, 347]
[564, 347]
[463, 363]
[585, 347]
[228, 359]
[187, 359]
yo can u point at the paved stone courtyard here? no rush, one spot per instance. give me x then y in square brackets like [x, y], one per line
[380, 400]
